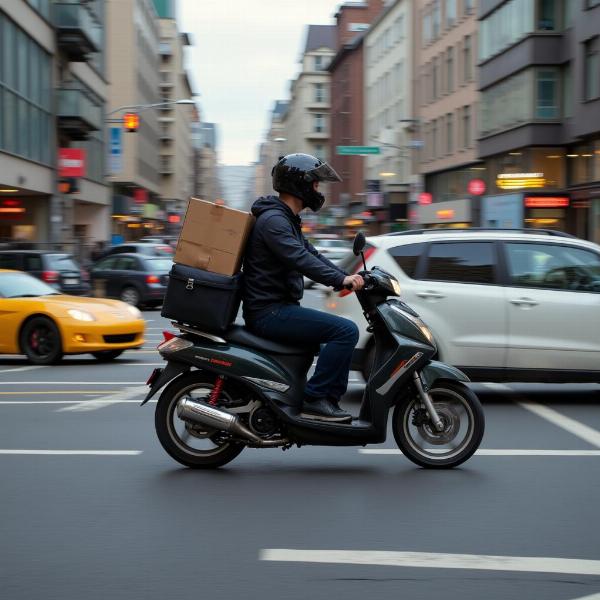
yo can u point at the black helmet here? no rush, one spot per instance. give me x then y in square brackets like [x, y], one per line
[295, 173]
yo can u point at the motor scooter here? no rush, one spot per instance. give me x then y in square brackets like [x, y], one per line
[226, 393]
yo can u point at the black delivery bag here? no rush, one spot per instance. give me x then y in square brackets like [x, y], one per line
[204, 300]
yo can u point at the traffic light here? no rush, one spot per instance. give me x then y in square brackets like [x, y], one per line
[68, 185]
[131, 122]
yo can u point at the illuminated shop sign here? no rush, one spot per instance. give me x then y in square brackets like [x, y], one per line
[519, 181]
[546, 201]
[446, 213]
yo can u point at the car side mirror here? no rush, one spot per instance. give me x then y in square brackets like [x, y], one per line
[359, 243]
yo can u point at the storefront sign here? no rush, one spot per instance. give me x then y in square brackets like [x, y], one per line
[546, 201]
[519, 181]
[453, 211]
[476, 187]
[425, 198]
[140, 196]
[447, 213]
[71, 162]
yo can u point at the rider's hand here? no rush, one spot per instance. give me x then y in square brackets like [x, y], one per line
[356, 281]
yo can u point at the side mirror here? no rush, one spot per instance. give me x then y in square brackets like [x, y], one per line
[359, 243]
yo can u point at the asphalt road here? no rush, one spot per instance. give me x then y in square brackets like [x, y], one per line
[115, 518]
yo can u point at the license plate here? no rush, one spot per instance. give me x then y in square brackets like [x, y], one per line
[71, 281]
[153, 377]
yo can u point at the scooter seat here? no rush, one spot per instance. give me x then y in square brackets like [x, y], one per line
[237, 334]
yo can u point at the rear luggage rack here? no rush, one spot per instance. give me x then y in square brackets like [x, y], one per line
[477, 229]
[188, 329]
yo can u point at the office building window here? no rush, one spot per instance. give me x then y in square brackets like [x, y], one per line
[592, 69]
[547, 96]
[450, 70]
[450, 13]
[319, 123]
[468, 6]
[427, 32]
[434, 138]
[436, 18]
[592, 3]
[449, 133]
[466, 126]
[467, 59]
[320, 63]
[25, 88]
[435, 80]
[42, 6]
[547, 15]
[320, 92]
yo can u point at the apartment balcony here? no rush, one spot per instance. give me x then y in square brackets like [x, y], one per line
[77, 33]
[166, 80]
[318, 105]
[166, 138]
[77, 115]
[165, 166]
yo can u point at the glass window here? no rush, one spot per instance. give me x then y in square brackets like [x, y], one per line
[592, 69]
[61, 262]
[436, 18]
[33, 262]
[466, 126]
[14, 285]
[319, 123]
[105, 264]
[468, 6]
[427, 28]
[547, 94]
[319, 92]
[449, 134]
[547, 15]
[463, 262]
[450, 70]
[450, 12]
[407, 257]
[467, 59]
[435, 80]
[126, 263]
[10, 261]
[554, 267]
[592, 3]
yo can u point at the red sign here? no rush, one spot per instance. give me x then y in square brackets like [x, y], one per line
[425, 198]
[71, 162]
[140, 196]
[476, 187]
[546, 201]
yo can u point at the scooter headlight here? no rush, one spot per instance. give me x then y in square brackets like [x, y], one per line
[396, 286]
[427, 333]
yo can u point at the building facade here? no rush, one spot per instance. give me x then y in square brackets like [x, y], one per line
[388, 111]
[347, 101]
[133, 72]
[52, 95]
[540, 113]
[206, 163]
[271, 149]
[446, 118]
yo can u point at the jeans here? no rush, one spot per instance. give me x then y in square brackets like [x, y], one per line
[295, 325]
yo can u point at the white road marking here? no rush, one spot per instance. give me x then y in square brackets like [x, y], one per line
[583, 432]
[431, 560]
[592, 597]
[498, 452]
[23, 369]
[68, 402]
[134, 364]
[126, 394]
[75, 452]
[69, 383]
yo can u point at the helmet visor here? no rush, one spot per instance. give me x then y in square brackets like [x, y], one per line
[322, 173]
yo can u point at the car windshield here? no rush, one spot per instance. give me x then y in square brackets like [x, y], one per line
[61, 262]
[160, 265]
[21, 285]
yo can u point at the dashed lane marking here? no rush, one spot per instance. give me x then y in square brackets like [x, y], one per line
[2, 402]
[31, 368]
[583, 432]
[74, 452]
[431, 560]
[124, 395]
[69, 383]
[498, 452]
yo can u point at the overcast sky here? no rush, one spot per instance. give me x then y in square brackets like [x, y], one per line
[245, 54]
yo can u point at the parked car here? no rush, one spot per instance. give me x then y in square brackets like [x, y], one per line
[169, 240]
[145, 248]
[57, 269]
[332, 247]
[503, 305]
[43, 324]
[133, 278]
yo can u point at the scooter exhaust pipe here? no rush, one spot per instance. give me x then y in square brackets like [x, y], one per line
[210, 416]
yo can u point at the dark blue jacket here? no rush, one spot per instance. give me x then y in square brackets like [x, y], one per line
[276, 258]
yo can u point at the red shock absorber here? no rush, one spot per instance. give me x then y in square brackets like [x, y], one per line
[216, 391]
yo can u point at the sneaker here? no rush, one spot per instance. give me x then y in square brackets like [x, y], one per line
[323, 409]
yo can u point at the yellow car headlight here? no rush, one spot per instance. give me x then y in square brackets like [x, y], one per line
[81, 315]
[134, 311]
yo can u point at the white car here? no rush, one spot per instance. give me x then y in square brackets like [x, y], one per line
[502, 305]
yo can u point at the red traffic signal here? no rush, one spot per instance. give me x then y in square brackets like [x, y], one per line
[68, 185]
[131, 122]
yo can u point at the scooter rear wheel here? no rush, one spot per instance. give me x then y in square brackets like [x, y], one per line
[196, 447]
[464, 424]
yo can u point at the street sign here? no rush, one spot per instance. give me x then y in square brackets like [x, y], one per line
[476, 187]
[71, 162]
[115, 163]
[357, 150]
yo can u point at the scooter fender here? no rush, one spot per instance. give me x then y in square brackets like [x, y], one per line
[170, 372]
[435, 371]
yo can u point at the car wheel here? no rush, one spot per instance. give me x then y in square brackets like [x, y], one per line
[130, 295]
[107, 355]
[40, 341]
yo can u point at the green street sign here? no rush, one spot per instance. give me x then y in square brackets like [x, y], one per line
[349, 150]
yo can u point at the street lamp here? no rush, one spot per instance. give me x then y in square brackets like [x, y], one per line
[140, 107]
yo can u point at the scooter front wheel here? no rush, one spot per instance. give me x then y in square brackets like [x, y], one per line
[194, 446]
[463, 420]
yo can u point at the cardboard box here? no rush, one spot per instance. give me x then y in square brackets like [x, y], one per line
[213, 237]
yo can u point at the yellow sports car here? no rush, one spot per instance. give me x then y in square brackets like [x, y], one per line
[43, 324]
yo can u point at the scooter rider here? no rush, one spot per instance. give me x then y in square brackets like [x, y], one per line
[276, 258]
